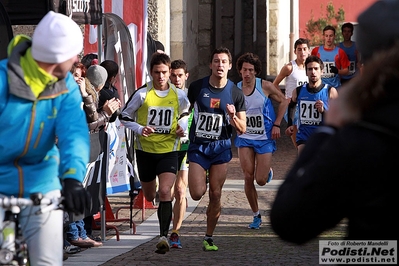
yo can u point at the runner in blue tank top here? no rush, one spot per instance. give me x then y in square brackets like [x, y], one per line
[312, 101]
[350, 49]
[257, 144]
[218, 106]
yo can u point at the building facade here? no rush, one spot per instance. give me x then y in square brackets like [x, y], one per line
[191, 29]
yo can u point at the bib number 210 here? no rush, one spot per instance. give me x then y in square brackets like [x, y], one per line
[161, 119]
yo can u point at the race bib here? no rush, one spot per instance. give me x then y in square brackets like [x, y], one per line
[209, 125]
[327, 70]
[255, 124]
[161, 118]
[308, 113]
[301, 82]
[352, 67]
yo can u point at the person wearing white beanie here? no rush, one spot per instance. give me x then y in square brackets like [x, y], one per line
[39, 92]
[56, 39]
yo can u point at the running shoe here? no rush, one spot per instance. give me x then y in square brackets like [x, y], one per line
[256, 222]
[209, 245]
[270, 177]
[162, 245]
[174, 241]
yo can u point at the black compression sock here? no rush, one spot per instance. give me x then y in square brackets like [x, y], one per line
[164, 217]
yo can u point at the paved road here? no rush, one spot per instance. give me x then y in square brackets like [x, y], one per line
[237, 244]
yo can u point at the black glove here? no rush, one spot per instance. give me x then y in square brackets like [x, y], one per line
[334, 70]
[76, 196]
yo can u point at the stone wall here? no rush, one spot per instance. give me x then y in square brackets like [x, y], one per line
[153, 18]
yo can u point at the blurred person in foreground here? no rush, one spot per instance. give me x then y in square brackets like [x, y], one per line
[345, 170]
[39, 101]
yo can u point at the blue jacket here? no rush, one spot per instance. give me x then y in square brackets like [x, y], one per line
[29, 159]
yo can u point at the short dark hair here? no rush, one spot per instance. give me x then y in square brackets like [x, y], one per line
[301, 41]
[111, 67]
[158, 59]
[87, 59]
[314, 58]
[179, 63]
[347, 25]
[252, 59]
[222, 50]
[329, 27]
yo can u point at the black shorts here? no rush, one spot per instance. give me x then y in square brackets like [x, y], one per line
[152, 164]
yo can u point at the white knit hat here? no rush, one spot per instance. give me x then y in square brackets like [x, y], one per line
[97, 75]
[56, 39]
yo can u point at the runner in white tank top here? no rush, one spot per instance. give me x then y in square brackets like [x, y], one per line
[294, 74]
[295, 79]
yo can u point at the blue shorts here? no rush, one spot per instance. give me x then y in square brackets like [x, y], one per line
[216, 152]
[259, 146]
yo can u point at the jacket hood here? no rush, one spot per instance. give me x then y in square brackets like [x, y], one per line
[25, 76]
[20, 38]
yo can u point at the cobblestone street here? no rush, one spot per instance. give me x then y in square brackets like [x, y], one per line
[237, 244]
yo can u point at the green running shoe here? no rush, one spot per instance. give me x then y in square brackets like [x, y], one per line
[209, 245]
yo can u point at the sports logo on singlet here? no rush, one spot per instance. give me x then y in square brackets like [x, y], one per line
[308, 113]
[255, 122]
[160, 117]
[215, 103]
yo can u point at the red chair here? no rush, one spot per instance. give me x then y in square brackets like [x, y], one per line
[111, 218]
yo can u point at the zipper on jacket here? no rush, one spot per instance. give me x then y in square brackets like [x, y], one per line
[20, 173]
[39, 135]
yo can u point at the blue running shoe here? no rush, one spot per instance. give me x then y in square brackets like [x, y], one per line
[174, 241]
[256, 223]
[270, 177]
